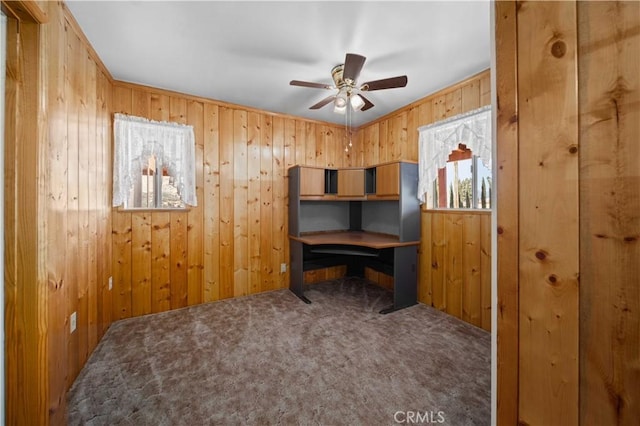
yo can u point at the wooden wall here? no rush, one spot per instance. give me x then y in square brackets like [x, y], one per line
[57, 215]
[455, 249]
[609, 129]
[568, 223]
[234, 242]
[455, 264]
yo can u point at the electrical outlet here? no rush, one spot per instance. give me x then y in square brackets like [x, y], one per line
[283, 267]
[72, 322]
[110, 283]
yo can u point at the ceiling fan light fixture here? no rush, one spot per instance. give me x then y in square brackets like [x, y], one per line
[341, 99]
[356, 102]
[339, 109]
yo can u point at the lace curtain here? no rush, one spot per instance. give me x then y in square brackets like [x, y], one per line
[137, 139]
[437, 140]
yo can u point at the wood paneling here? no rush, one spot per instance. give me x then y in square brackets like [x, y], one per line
[141, 263]
[379, 278]
[211, 208]
[548, 246]
[455, 264]
[326, 274]
[471, 268]
[57, 215]
[266, 200]
[234, 242]
[569, 116]
[240, 197]
[609, 151]
[57, 223]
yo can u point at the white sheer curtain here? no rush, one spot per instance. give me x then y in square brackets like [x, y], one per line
[172, 144]
[437, 140]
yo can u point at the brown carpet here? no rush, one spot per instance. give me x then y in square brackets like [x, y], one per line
[272, 359]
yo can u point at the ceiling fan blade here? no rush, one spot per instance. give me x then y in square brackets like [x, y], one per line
[323, 102]
[310, 84]
[367, 103]
[352, 66]
[385, 83]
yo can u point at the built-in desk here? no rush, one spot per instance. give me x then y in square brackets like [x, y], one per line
[358, 217]
[357, 249]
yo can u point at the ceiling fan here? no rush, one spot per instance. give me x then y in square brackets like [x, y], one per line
[345, 77]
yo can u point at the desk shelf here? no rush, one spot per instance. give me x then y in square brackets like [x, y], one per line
[376, 226]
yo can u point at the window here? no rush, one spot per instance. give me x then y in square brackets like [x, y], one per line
[464, 183]
[154, 164]
[455, 153]
[154, 188]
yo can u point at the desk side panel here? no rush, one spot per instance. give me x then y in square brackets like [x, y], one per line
[409, 205]
[297, 273]
[405, 276]
[294, 201]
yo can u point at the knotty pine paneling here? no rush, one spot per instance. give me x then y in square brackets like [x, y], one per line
[609, 151]
[449, 277]
[455, 264]
[325, 274]
[58, 220]
[569, 152]
[549, 232]
[233, 243]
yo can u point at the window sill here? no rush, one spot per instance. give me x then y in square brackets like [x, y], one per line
[444, 210]
[158, 210]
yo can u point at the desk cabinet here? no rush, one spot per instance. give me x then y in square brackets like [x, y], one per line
[388, 179]
[389, 214]
[312, 181]
[351, 183]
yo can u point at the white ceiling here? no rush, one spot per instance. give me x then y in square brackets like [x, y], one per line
[247, 52]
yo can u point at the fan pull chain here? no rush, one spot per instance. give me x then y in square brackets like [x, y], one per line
[347, 125]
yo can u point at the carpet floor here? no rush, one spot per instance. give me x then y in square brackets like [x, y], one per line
[272, 359]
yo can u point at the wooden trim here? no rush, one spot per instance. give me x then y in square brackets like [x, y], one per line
[26, 349]
[460, 211]
[29, 11]
[145, 209]
[507, 211]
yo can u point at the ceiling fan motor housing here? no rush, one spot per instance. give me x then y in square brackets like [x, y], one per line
[336, 74]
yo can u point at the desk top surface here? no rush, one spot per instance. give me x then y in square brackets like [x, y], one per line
[354, 238]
